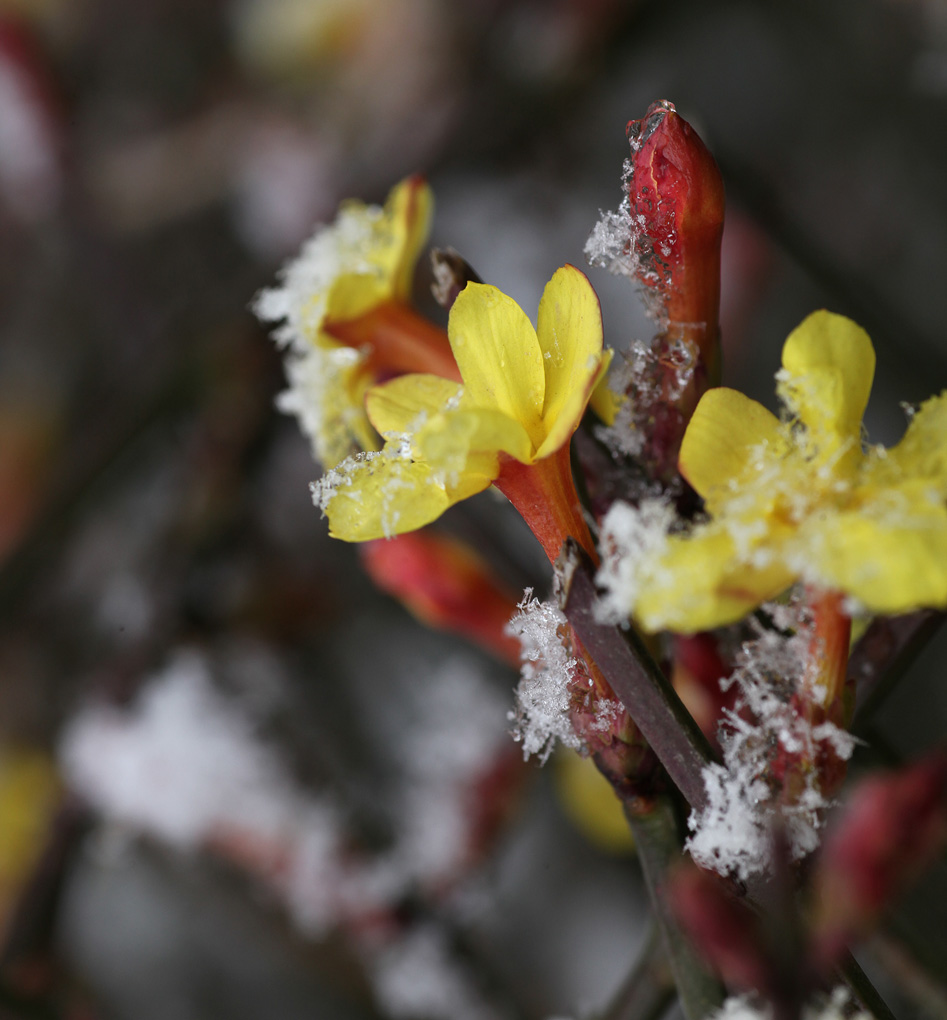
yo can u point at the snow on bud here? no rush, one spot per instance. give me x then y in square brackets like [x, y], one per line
[677, 202]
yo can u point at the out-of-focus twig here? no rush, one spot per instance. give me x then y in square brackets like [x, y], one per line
[648, 991]
[913, 978]
[864, 991]
[659, 850]
[882, 655]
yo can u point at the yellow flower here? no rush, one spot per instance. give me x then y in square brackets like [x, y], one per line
[803, 499]
[29, 793]
[509, 422]
[590, 802]
[347, 320]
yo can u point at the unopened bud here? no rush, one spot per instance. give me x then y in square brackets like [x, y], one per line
[891, 828]
[677, 203]
[446, 585]
[726, 933]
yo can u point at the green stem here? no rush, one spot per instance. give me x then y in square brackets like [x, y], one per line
[648, 991]
[659, 848]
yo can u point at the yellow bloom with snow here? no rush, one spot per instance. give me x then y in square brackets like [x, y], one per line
[797, 499]
[522, 394]
[346, 321]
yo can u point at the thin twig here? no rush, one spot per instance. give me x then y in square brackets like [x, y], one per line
[648, 991]
[865, 992]
[659, 849]
[883, 653]
[637, 680]
[913, 978]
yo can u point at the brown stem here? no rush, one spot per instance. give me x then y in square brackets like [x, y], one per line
[638, 682]
[883, 653]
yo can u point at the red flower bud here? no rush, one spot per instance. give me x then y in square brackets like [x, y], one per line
[891, 828]
[446, 585]
[725, 932]
[677, 203]
[697, 671]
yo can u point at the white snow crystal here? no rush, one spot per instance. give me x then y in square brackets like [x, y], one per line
[610, 245]
[646, 375]
[542, 697]
[180, 763]
[337, 480]
[633, 541]
[299, 302]
[732, 834]
[319, 373]
[186, 766]
[835, 1006]
[618, 244]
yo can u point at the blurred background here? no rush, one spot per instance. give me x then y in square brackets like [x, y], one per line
[235, 779]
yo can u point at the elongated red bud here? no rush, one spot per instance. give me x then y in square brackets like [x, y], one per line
[891, 828]
[446, 585]
[677, 202]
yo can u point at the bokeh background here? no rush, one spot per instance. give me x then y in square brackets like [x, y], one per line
[158, 161]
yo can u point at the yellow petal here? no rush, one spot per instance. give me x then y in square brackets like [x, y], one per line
[701, 583]
[412, 206]
[498, 355]
[727, 440]
[604, 401]
[352, 295]
[379, 495]
[828, 367]
[590, 802]
[569, 329]
[892, 558]
[378, 261]
[403, 404]
[449, 440]
[922, 452]
[572, 410]
[29, 793]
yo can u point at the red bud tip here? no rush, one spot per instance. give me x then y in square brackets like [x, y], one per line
[677, 200]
